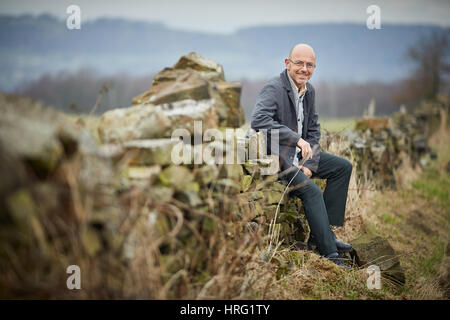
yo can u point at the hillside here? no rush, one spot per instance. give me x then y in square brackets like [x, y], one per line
[31, 46]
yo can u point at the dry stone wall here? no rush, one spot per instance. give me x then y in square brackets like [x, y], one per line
[379, 145]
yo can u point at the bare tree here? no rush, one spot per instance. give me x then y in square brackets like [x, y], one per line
[430, 56]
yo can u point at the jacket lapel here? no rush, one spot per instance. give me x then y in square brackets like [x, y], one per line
[287, 86]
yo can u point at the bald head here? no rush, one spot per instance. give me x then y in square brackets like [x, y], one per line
[302, 49]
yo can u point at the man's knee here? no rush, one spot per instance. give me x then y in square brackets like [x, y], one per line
[346, 166]
[307, 189]
[315, 190]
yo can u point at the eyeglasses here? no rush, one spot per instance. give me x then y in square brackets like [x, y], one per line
[301, 64]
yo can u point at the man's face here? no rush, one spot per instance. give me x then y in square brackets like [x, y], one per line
[300, 66]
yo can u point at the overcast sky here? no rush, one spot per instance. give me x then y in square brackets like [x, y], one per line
[226, 16]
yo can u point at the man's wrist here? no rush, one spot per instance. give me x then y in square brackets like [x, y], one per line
[306, 166]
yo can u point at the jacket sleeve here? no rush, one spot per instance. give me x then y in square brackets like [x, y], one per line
[264, 116]
[313, 136]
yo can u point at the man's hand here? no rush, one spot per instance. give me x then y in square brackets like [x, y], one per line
[306, 149]
[306, 171]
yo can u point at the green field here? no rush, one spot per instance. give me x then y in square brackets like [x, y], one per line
[329, 124]
[337, 124]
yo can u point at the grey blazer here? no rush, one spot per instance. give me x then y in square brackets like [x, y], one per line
[275, 109]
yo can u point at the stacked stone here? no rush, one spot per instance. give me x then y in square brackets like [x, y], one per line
[57, 199]
[378, 143]
[375, 149]
[414, 129]
[264, 200]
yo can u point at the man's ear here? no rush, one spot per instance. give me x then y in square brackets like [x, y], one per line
[286, 62]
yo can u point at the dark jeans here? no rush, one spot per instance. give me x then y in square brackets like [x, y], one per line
[323, 210]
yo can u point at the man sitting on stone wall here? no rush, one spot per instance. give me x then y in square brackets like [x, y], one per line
[286, 104]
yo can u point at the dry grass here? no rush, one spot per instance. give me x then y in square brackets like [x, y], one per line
[417, 226]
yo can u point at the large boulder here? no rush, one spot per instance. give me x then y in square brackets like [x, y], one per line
[183, 114]
[150, 122]
[35, 143]
[150, 152]
[179, 178]
[375, 250]
[169, 75]
[189, 85]
[140, 122]
[39, 136]
[230, 92]
[208, 68]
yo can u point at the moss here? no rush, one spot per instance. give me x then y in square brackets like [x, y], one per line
[209, 225]
[91, 241]
[246, 183]
[389, 218]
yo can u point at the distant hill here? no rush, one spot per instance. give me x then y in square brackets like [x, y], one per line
[33, 45]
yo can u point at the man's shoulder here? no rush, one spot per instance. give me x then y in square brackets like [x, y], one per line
[272, 87]
[276, 82]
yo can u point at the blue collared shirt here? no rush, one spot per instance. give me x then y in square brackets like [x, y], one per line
[298, 99]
